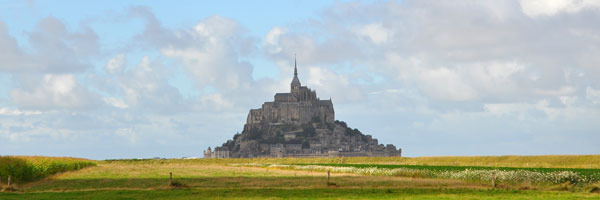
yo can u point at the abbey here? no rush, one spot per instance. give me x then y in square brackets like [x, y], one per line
[300, 106]
[299, 124]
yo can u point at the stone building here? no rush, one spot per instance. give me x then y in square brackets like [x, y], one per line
[220, 152]
[299, 124]
[299, 106]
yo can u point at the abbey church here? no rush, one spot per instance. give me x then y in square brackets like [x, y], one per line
[299, 124]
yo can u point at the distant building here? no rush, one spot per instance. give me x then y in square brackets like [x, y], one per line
[299, 124]
[220, 152]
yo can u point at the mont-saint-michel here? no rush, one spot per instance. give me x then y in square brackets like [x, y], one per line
[299, 124]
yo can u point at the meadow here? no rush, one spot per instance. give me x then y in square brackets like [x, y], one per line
[262, 178]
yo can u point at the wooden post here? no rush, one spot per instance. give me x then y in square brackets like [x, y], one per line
[8, 181]
[328, 175]
[494, 179]
[170, 178]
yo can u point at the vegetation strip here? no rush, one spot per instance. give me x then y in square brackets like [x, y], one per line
[580, 171]
[30, 168]
[465, 173]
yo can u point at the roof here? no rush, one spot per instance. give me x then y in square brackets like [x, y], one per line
[282, 94]
[295, 81]
[221, 148]
[325, 102]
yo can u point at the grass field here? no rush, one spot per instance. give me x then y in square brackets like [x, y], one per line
[219, 179]
[549, 161]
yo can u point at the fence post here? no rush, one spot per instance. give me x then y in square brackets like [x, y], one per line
[170, 178]
[494, 179]
[8, 181]
[328, 175]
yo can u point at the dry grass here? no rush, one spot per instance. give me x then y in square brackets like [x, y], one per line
[548, 161]
[211, 178]
[114, 176]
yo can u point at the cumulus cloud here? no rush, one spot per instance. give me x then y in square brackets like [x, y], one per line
[537, 8]
[145, 87]
[330, 84]
[592, 95]
[53, 49]
[212, 53]
[116, 64]
[375, 32]
[448, 65]
[8, 111]
[53, 91]
[508, 75]
[443, 84]
[272, 39]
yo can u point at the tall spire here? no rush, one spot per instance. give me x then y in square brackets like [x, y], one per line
[295, 82]
[295, 69]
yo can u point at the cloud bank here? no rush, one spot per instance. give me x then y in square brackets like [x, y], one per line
[433, 77]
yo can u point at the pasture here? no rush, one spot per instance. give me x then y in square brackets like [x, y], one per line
[262, 178]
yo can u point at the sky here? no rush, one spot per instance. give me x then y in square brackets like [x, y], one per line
[139, 79]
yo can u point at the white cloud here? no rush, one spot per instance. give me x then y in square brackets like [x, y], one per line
[116, 64]
[214, 102]
[564, 90]
[568, 100]
[441, 73]
[445, 84]
[375, 32]
[53, 49]
[330, 84]
[538, 8]
[272, 39]
[145, 87]
[115, 102]
[128, 134]
[592, 95]
[54, 91]
[212, 53]
[8, 111]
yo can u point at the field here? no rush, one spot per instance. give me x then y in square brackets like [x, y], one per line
[285, 178]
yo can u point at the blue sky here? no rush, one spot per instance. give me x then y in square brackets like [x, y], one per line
[125, 79]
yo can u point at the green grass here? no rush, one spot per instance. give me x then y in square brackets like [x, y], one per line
[321, 193]
[30, 168]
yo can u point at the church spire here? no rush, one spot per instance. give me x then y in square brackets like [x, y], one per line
[295, 69]
[295, 82]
